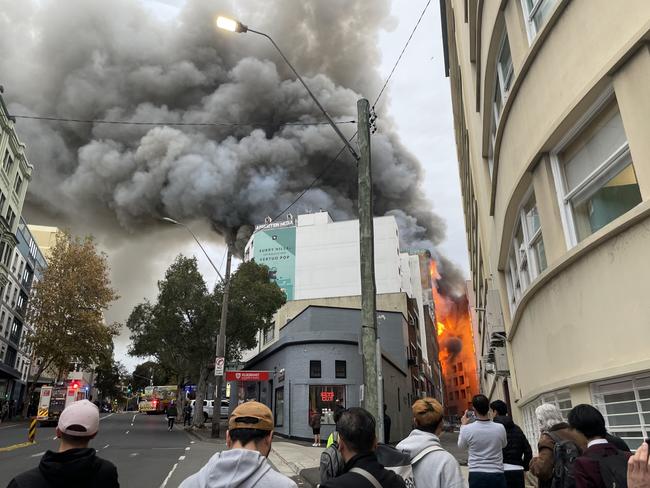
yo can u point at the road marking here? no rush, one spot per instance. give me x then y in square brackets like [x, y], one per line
[128, 431]
[134, 454]
[191, 442]
[166, 448]
[38, 454]
[133, 419]
[109, 415]
[54, 438]
[169, 475]
[9, 426]
[181, 458]
[16, 446]
[187, 448]
[105, 446]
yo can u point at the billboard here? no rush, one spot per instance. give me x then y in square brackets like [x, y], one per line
[276, 248]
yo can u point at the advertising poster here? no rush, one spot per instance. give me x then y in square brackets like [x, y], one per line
[276, 248]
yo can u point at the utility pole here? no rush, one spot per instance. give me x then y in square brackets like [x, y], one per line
[221, 348]
[369, 346]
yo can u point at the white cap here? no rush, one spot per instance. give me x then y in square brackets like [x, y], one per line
[80, 419]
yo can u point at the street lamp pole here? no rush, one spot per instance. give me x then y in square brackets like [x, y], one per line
[368, 338]
[221, 338]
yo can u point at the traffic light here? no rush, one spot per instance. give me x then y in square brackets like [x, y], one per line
[128, 389]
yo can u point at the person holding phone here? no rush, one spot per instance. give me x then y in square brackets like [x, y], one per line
[484, 441]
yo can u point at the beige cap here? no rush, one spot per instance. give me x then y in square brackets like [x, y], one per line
[80, 419]
[251, 415]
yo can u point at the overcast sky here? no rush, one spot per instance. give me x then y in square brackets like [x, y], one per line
[421, 107]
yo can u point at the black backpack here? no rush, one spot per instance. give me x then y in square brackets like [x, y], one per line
[565, 452]
[613, 469]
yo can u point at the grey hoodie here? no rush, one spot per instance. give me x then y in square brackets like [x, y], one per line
[237, 468]
[438, 469]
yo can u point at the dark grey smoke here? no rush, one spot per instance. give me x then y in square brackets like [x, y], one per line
[93, 59]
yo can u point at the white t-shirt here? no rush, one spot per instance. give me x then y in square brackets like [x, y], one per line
[485, 440]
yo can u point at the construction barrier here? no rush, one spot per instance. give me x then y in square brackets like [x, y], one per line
[31, 436]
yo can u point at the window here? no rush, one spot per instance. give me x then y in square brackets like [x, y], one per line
[269, 334]
[341, 369]
[10, 358]
[16, 330]
[3, 199]
[595, 175]
[314, 369]
[18, 184]
[625, 404]
[278, 414]
[322, 399]
[504, 67]
[537, 13]
[7, 162]
[560, 398]
[10, 217]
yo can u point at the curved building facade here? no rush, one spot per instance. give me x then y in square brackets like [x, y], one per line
[551, 103]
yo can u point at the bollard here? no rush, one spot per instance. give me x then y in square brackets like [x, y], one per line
[31, 436]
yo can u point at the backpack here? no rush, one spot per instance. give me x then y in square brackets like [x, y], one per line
[331, 462]
[565, 452]
[400, 462]
[613, 469]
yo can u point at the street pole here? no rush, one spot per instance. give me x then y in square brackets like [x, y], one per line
[369, 346]
[221, 350]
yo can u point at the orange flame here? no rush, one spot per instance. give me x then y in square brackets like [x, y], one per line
[457, 352]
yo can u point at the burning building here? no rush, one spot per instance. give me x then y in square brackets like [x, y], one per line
[457, 353]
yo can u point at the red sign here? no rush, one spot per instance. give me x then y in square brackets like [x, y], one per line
[327, 396]
[247, 375]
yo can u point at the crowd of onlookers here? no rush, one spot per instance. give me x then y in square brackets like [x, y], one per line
[579, 453]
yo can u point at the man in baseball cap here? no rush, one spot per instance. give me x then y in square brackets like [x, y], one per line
[244, 465]
[75, 464]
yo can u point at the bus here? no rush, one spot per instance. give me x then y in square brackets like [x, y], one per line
[156, 399]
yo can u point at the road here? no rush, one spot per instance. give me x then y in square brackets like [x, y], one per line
[145, 453]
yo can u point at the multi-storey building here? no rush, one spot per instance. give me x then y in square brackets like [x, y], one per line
[550, 103]
[314, 340]
[14, 176]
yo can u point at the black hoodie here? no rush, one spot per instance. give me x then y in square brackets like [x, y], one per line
[518, 450]
[81, 468]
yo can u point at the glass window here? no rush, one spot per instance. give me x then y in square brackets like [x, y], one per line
[537, 13]
[314, 369]
[278, 414]
[624, 404]
[341, 369]
[560, 398]
[322, 399]
[18, 184]
[599, 180]
[504, 66]
[8, 162]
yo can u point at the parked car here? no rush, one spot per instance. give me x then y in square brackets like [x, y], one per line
[208, 409]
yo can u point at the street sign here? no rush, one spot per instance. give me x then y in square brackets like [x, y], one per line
[219, 364]
[247, 375]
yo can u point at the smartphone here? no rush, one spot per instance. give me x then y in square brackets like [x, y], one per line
[470, 415]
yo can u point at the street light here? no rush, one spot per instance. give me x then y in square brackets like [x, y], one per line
[175, 222]
[232, 25]
[221, 338]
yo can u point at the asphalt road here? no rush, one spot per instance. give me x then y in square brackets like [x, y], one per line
[145, 453]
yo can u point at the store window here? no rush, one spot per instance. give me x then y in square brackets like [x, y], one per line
[278, 415]
[595, 174]
[323, 398]
[536, 13]
[341, 369]
[625, 404]
[314, 369]
[560, 398]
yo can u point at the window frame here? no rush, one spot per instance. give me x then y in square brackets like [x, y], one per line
[529, 15]
[616, 162]
[312, 370]
[337, 363]
[530, 425]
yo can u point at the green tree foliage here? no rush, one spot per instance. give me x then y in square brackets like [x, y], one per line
[109, 376]
[142, 374]
[67, 307]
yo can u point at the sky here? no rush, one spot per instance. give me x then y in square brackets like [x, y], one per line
[420, 107]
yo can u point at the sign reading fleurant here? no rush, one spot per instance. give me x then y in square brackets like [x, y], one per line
[276, 248]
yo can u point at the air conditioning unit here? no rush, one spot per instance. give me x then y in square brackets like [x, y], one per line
[494, 319]
[501, 360]
[489, 367]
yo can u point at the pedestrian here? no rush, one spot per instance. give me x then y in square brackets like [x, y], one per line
[314, 423]
[333, 438]
[485, 441]
[171, 414]
[553, 430]
[187, 414]
[638, 468]
[433, 466]
[517, 453]
[4, 411]
[75, 464]
[601, 465]
[357, 444]
[244, 464]
[387, 423]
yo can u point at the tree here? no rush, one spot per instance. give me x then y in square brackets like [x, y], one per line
[66, 309]
[180, 329]
[142, 374]
[109, 375]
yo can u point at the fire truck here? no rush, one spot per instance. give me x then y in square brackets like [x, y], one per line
[54, 399]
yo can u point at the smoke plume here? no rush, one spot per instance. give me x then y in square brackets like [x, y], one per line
[92, 59]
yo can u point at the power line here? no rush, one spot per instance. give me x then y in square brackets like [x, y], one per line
[381, 92]
[190, 124]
